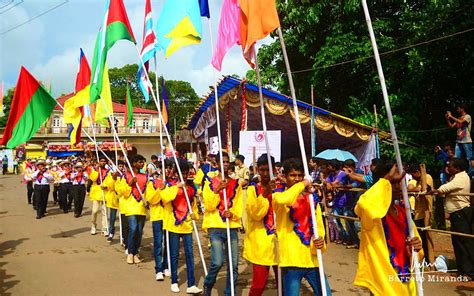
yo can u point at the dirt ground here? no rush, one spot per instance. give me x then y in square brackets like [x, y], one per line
[57, 256]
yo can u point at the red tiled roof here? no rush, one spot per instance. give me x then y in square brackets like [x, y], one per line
[118, 108]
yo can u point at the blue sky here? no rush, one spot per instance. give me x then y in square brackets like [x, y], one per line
[49, 45]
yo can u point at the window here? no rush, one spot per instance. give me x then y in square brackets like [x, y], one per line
[146, 124]
[56, 125]
[56, 121]
[134, 124]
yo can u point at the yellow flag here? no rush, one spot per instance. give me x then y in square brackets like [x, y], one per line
[104, 106]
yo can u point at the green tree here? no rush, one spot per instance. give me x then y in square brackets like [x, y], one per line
[328, 46]
[7, 102]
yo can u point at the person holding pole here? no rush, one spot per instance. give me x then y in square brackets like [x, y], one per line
[297, 242]
[260, 238]
[179, 224]
[385, 266]
[131, 188]
[112, 203]
[97, 175]
[123, 204]
[214, 223]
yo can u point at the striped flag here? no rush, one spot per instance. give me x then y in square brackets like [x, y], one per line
[148, 51]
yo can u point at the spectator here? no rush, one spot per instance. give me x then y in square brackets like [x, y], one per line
[337, 178]
[5, 165]
[423, 204]
[444, 155]
[463, 133]
[315, 169]
[460, 215]
[153, 167]
[242, 172]
[15, 166]
[367, 179]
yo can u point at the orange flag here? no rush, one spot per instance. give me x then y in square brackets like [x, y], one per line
[258, 19]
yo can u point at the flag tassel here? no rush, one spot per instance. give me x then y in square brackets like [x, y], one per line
[418, 278]
[303, 157]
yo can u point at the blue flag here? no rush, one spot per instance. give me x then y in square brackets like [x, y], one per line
[204, 6]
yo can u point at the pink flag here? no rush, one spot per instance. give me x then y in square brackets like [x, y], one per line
[229, 31]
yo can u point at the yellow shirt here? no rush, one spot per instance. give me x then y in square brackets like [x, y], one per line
[111, 198]
[375, 271]
[134, 207]
[122, 200]
[153, 196]
[96, 192]
[214, 205]
[260, 242]
[292, 251]
[423, 203]
[177, 212]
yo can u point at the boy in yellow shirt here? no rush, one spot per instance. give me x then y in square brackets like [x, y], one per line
[384, 265]
[96, 195]
[260, 238]
[111, 202]
[214, 223]
[118, 177]
[297, 243]
[133, 189]
[179, 224]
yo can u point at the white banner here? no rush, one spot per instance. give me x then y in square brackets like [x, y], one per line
[250, 139]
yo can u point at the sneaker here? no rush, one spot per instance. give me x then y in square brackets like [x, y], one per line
[126, 251]
[130, 259]
[174, 288]
[167, 272]
[136, 259]
[105, 233]
[193, 290]
[159, 276]
[109, 239]
[93, 230]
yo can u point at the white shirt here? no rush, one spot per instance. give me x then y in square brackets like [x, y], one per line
[42, 178]
[79, 181]
[461, 184]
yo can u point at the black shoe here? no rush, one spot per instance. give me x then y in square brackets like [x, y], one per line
[39, 217]
[77, 215]
[65, 211]
[109, 239]
[29, 202]
[206, 290]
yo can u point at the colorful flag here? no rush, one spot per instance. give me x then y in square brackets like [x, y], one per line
[103, 106]
[164, 108]
[148, 51]
[204, 7]
[179, 25]
[2, 86]
[87, 117]
[258, 19]
[229, 31]
[73, 115]
[31, 106]
[115, 27]
[128, 118]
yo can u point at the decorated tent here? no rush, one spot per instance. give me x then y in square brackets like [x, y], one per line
[240, 108]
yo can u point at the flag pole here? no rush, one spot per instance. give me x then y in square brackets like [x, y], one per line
[216, 96]
[303, 156]
[418, 279]
[163, 169]
[267, 147]
[313, 130]
[175, 160]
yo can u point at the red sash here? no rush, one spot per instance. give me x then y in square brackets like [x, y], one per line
[142, 179]
[78, 177]
[230, 190]
[102, 174]
[396, 233]
[39, 177]
[300, 214]
[180, 206]
[269, 219]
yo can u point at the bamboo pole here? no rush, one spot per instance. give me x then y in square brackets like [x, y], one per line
[305, 161]
[419, 283]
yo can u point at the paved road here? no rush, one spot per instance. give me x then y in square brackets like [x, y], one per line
[57, 256]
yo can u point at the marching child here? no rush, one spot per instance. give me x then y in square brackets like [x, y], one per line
[41, 178]
[297, 243]
[96, 195]
[118, 176]
[260, 239]
[214, 223]
[79, 179]
[179, 224]
[133, 189]
[112, 203]
[384, 265]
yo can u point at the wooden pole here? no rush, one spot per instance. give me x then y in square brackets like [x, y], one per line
[313, 130]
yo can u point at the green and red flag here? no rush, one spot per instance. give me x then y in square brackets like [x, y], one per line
[31, 106]
[114, 27]
[128, 109]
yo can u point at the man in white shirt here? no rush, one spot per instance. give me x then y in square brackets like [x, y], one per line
[153, 167]
[459, 208]
[41, 178]
[65, 186]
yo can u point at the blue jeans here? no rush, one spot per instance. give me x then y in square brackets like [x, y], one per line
[219, 250]
[158, 251]
[188, 252]
[351, 228]
[292, 277]
[135, 232]
[113, 216]
[466, 150]
[340, 227]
